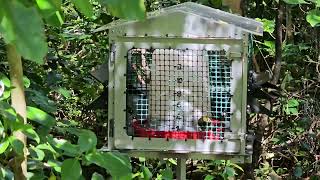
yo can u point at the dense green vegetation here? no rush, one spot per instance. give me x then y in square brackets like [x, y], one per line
[64, 135]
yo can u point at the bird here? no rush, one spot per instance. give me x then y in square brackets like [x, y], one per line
[204, 122]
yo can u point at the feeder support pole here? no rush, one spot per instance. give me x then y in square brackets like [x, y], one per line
[181, 169]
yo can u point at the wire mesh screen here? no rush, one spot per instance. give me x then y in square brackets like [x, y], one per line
[179, 94]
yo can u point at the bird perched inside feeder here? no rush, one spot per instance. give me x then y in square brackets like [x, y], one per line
[204, 122]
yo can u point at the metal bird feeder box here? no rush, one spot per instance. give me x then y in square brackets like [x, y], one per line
[178, 83]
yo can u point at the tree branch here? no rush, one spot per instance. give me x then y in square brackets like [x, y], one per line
[19, 104]
[278, 44]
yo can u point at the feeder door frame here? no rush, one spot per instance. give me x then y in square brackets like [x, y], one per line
[233, 142]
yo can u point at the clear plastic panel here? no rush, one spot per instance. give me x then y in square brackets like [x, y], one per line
[247, 24]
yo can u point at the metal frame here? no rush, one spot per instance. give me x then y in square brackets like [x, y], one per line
[191, 26]
[233, 144]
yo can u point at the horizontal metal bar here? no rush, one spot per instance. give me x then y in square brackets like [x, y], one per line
[178, 40]
[236, 158]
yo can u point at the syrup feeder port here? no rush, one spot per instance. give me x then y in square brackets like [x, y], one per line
[177, 84]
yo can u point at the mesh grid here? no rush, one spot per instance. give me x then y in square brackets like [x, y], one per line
[181, 94]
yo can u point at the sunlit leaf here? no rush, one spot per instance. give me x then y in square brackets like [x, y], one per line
[293, 103]
[127, 9]
[68, 148]
[70, 169]
[26, 82]
[172, 161]
[40, 117]
[84, 6]
[317, 2]
[117, 164]
[23, 27]
[97, 176]
[56, 165]
[146, 173]
[209, 177]
[48, 7]
[268, 25]
[313, 17]
[4, 145]
[6, 81]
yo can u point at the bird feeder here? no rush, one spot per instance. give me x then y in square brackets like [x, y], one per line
[178, 84]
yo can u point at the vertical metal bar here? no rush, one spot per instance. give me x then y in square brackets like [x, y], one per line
[181, 169]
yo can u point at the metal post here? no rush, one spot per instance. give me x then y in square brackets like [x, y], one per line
[181, 169]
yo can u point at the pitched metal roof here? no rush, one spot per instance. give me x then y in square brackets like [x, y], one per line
[211, 14]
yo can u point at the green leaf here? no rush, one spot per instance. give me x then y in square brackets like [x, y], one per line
[295, 2]
[313, 17]
[236, 166]
[36, 153]
[209, 177]
[293, 103]
[6, 174]
[22, 26]
[56, 165]
[48, 7]
[68, 148]
[46, 146]
[39, 116]
[8, 112]
[64, 92]
[146, 173]
[127, 9]
[4, 145]
[57, 19]
[6, 81]
[172, 161]
[36, 175]
[51, 11]
[41, 100]
[97, 176]
[27, 129]
[229, 172]
[268, 25]
[84, 6]
[167, 174]
[17, 145]
[87, 140]
[298, 171]
[70, 169]
[142, 159]
[117, 164]
[26, 81]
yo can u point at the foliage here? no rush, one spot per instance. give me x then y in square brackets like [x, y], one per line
[50, 155]
[53, 156]
[28, 34]
[62, 132]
